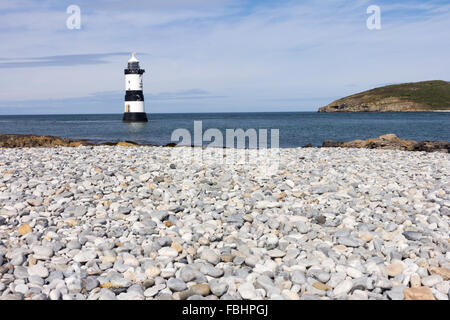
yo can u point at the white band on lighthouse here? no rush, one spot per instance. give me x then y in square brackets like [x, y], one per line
[134, 106]
[133, 82]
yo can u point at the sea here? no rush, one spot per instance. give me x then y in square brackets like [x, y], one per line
[295, 129]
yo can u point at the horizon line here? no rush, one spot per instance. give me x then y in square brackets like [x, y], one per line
[80, 114]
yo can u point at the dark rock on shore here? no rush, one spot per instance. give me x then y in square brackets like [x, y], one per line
[332, 144]
[171, 145]
[31, 141]
[28, 140]
[391, 142]
[431, 146]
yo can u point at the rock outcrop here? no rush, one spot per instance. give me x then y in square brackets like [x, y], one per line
[408, 97]
[31, 141]
[28, 140]
[391, 142]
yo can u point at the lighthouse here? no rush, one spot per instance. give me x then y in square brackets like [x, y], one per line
[134, 96]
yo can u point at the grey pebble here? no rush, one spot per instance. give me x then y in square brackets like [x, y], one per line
[412, 235]
[176, 285]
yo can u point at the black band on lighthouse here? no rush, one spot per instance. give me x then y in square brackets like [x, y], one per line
[134, 71]
[134, 95]
[135, 117]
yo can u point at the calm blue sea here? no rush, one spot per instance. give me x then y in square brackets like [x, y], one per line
[296, 128]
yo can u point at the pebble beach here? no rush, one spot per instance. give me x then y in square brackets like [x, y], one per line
[135, 223]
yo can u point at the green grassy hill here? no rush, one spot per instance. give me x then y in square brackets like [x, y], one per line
[418, 96]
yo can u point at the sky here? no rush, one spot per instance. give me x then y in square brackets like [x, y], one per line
[214, 55]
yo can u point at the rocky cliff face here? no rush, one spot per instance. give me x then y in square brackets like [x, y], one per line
[392, 104]
[408, 97]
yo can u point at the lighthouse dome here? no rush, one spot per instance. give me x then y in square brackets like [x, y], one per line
[133, 57]
[133, 63]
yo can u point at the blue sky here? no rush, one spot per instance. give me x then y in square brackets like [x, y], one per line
[214, 55]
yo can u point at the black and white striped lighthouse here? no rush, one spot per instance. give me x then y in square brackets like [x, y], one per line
[134, 96]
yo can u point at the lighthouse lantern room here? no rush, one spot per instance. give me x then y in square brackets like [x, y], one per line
[134, 96]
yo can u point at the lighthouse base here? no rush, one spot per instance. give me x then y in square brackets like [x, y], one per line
[135, 117]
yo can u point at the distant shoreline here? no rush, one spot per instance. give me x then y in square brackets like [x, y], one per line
[387, 141]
